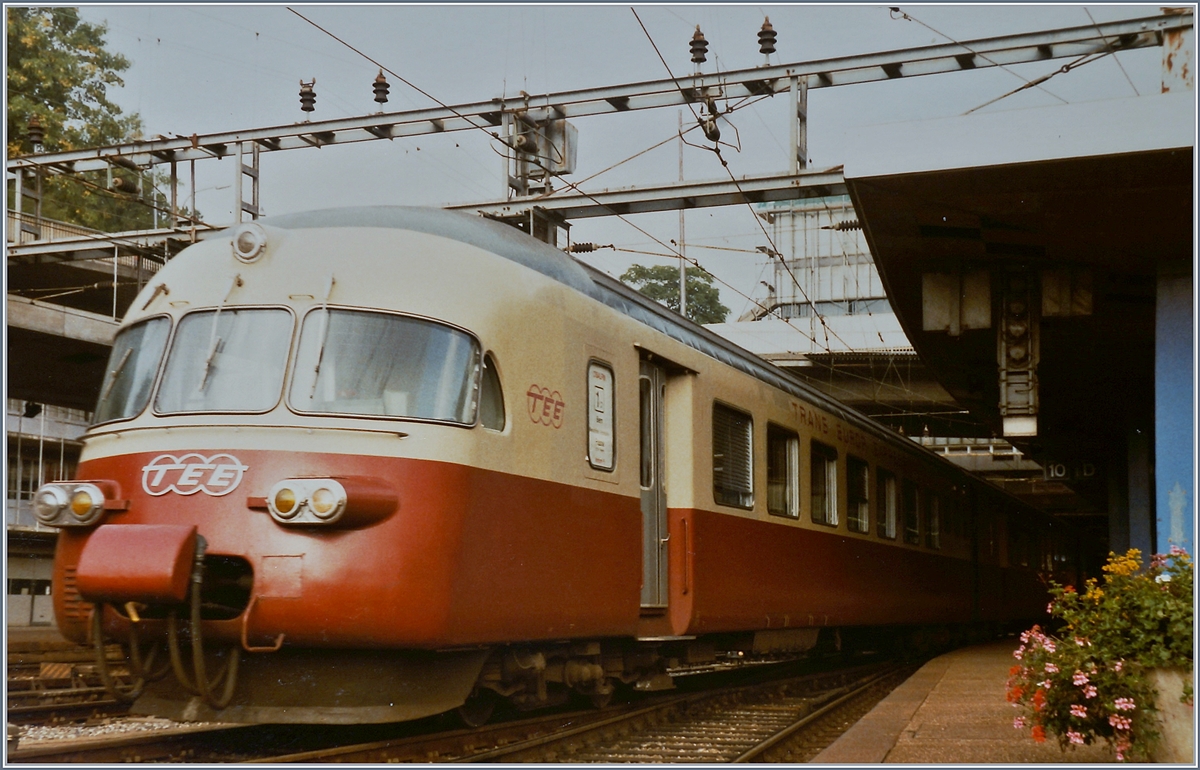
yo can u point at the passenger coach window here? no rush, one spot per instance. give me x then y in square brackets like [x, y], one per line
[933, 521]
[355, 362]
[783, 472]
[858, 516]
[132, 365]
[733, 479]
[491, 397]
[824, 484]
[885, 511]
[600, 417]
[912, 532]
[227, 361]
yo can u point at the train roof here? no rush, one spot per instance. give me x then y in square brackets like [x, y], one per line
[510, 243]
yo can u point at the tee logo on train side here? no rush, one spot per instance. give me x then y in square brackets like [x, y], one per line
[545, 406]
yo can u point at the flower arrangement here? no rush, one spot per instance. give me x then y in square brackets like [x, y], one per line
[1089, 681]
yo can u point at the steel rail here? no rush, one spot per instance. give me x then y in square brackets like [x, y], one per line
[758, 751]
[488, 115]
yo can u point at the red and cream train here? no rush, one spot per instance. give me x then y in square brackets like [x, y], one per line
[374, 464]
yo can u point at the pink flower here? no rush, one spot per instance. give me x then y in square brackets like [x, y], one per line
[1048, 644]
[1080, 679]
[1019, 722]
[1089, 691]
[1051, 668]
[1177, 551]
[1120, 722]
[1124, 704]
[1118, 665]
[1046, 684]
[1082, 642]
[1050, 607]
[1078, 711]
[1017, 653]
[1075, 737]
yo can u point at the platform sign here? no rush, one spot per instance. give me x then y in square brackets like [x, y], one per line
[1082, 471]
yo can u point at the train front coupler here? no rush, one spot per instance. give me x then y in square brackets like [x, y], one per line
[152, 569]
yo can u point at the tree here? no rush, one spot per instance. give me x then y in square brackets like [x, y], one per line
[661, 284]
[59, 71]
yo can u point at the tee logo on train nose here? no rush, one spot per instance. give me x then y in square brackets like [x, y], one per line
[217, 475]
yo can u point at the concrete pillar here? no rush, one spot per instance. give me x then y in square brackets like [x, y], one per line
[1174, 388]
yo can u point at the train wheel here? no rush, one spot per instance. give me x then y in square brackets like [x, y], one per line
[601, 699]
[478, 708]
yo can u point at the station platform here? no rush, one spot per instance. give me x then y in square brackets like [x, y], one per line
[953, 711]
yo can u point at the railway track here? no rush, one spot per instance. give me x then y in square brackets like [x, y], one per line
[59, 684]
[751, 724]
[781, 720]
[774, 721]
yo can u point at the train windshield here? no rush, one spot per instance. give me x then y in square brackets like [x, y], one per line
[354, 362]
[136, 354]
[228, 360]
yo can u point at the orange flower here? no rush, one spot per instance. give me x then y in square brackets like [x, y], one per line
[1038, 699]
[1039, 734]
[1014, 670]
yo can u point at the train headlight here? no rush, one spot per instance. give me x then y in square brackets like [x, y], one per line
[348, 501]
[326, 502]
[49, 503]
[307, 501]
[249, 242]
[283, 502]
[60, 504]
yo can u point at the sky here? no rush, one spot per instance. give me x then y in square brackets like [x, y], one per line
[208, 68]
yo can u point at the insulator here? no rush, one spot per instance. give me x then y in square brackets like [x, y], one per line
[583, 248]
[526, 143]
[381, 88]
[708, 125]
[36, 132]
[699, 46]
[766, 37]
[308, 97]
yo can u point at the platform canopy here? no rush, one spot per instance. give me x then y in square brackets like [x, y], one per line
[1026, 254]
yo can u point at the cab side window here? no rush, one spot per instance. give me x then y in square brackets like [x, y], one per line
[491, 397]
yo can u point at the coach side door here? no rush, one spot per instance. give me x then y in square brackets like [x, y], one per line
[651, 385]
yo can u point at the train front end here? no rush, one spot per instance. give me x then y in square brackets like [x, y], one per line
[270, 499]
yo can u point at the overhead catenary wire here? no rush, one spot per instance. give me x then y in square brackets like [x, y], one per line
[674, 253]
[893, 10]
[724, 164]
[1115, 57]
[1082, 60]
[570, 184]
